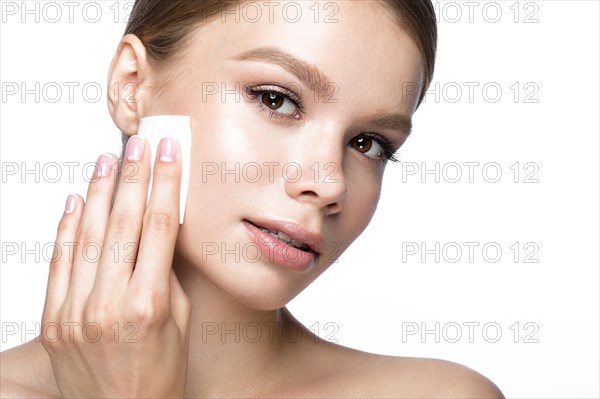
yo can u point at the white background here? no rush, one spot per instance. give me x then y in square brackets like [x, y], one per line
[379, 290]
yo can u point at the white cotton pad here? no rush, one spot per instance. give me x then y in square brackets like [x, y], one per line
[155, 128]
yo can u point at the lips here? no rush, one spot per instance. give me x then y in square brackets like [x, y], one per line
[292, 234]
[287, 239]
[285, 244]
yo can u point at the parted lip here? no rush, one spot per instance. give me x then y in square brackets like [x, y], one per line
[296, 232]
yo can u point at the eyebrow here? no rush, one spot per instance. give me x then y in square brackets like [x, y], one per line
[305, 72]
[390, 121]
[312, 77]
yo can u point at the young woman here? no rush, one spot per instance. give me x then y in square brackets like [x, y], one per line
[320, 102]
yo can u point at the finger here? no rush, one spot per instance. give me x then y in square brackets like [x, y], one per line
[90, 235]
[181, 306]
[59, 274]
[161, 220]
[121, 241]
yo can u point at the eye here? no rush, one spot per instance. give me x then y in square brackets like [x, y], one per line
[374, 147]
[280, 103]
[367, 146]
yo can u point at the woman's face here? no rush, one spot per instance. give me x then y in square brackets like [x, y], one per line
[260, 156]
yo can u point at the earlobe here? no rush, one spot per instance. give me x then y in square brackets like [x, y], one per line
[128, 84]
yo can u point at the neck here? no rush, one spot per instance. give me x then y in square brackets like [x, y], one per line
[232, 347]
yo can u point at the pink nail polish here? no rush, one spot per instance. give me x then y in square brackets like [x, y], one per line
[135, 148]
[103, 166]
[167, 150]
[71, 204]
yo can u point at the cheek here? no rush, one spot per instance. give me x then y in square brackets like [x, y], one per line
[227, 130]
[363, 202]
[227, 174]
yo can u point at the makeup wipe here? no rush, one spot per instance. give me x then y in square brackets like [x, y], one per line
[153, 129]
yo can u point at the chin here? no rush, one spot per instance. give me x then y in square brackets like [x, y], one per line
[257, 285]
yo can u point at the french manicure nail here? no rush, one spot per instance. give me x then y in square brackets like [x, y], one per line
[71, 204]
[135, 148]
[167, 150]
[103, 166]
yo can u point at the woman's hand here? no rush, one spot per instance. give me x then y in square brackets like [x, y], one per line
[116, 319]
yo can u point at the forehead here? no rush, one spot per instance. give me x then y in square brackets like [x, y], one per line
[356, 45]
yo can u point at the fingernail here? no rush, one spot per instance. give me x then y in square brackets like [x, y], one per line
[103, 165]
[71, 204]
[135, 148]
[167, 150]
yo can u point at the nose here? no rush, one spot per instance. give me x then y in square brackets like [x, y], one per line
[315, 174]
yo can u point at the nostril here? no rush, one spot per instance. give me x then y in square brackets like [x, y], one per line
[333, 208]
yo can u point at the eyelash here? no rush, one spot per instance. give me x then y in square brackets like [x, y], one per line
[386, 146]
[256, 92]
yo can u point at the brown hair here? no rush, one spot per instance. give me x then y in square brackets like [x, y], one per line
[164, 25]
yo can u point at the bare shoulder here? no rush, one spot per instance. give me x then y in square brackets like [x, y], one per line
[367, 374]
[26, 372]
[433, 378]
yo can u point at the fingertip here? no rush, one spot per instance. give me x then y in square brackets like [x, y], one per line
[71, 204]
[135, 149]
[168, 150]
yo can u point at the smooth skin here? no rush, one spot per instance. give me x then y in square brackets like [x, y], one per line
[176, 293]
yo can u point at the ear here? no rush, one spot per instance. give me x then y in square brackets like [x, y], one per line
[129, 84]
